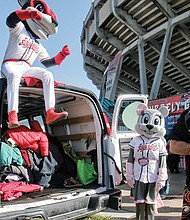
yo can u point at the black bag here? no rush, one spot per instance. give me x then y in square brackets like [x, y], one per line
[165, 190]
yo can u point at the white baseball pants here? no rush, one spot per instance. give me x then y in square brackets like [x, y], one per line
[14, 71]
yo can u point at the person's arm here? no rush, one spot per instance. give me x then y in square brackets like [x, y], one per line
[180, 135]
[179, 147]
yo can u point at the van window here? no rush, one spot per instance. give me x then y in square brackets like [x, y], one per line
[25, 122]
[40, 120]
[37, 118]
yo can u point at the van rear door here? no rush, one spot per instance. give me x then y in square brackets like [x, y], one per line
[122, 131]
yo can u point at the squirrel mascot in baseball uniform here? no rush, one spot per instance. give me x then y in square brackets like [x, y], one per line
[146, 171]
[35, 20]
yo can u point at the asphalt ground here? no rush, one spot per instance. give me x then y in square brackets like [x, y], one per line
[172, 201]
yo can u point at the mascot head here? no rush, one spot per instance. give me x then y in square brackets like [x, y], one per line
[151, 122]
[49, 23]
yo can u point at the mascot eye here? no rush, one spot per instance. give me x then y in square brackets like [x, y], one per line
[157, 120]
[40, 7]
[145, 119]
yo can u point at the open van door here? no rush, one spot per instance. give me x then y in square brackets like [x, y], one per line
[122, 131]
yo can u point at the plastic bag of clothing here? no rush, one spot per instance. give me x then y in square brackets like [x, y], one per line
[86, 172]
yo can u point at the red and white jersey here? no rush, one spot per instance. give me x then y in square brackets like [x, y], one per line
[23, 46]
[146, 157]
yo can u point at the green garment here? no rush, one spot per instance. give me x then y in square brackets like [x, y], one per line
[70, 152]
[10, 155]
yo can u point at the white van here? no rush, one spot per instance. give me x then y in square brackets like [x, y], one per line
[86, 136]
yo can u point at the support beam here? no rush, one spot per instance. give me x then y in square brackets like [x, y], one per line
[161, 62]
[104, 34]
[165, 78]
[126, 19]
[166, 9]
[142, 67]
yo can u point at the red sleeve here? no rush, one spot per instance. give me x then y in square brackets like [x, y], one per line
[44, 144]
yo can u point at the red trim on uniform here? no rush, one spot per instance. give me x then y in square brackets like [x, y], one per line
[15, 60]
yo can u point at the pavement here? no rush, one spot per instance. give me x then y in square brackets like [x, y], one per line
[172, 201]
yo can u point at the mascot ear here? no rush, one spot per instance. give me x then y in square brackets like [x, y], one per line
[141, 108]
[164, 111]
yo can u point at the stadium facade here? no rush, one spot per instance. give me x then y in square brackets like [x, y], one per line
[137, 46]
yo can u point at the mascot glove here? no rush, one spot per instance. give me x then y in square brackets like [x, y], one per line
[65, 51]
[131, 182]
[130, 175]
[29, 14]
[62, 55]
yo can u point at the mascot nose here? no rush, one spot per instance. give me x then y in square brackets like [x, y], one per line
[149, 126]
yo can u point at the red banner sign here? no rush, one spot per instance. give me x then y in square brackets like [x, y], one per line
[176, 104]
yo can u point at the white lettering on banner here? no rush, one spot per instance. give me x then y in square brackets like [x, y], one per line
[175, 104]
[172, 106]
[111, 75]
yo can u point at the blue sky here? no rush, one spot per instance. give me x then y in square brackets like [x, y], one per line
[71, 15]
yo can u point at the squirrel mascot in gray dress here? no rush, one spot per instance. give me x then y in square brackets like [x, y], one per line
[146, 171]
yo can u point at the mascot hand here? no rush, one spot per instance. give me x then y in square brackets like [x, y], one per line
[130, 174]
[162, 177]
[62, 55]
[65, 51]
[29, 14]
[35, 15]
[131, 182]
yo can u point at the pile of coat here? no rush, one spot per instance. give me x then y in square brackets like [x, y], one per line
[29, 158]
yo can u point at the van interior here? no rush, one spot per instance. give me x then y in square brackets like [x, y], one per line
[77, 138]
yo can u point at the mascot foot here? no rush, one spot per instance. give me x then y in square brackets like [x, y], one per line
[53, 117]
[13, 119]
